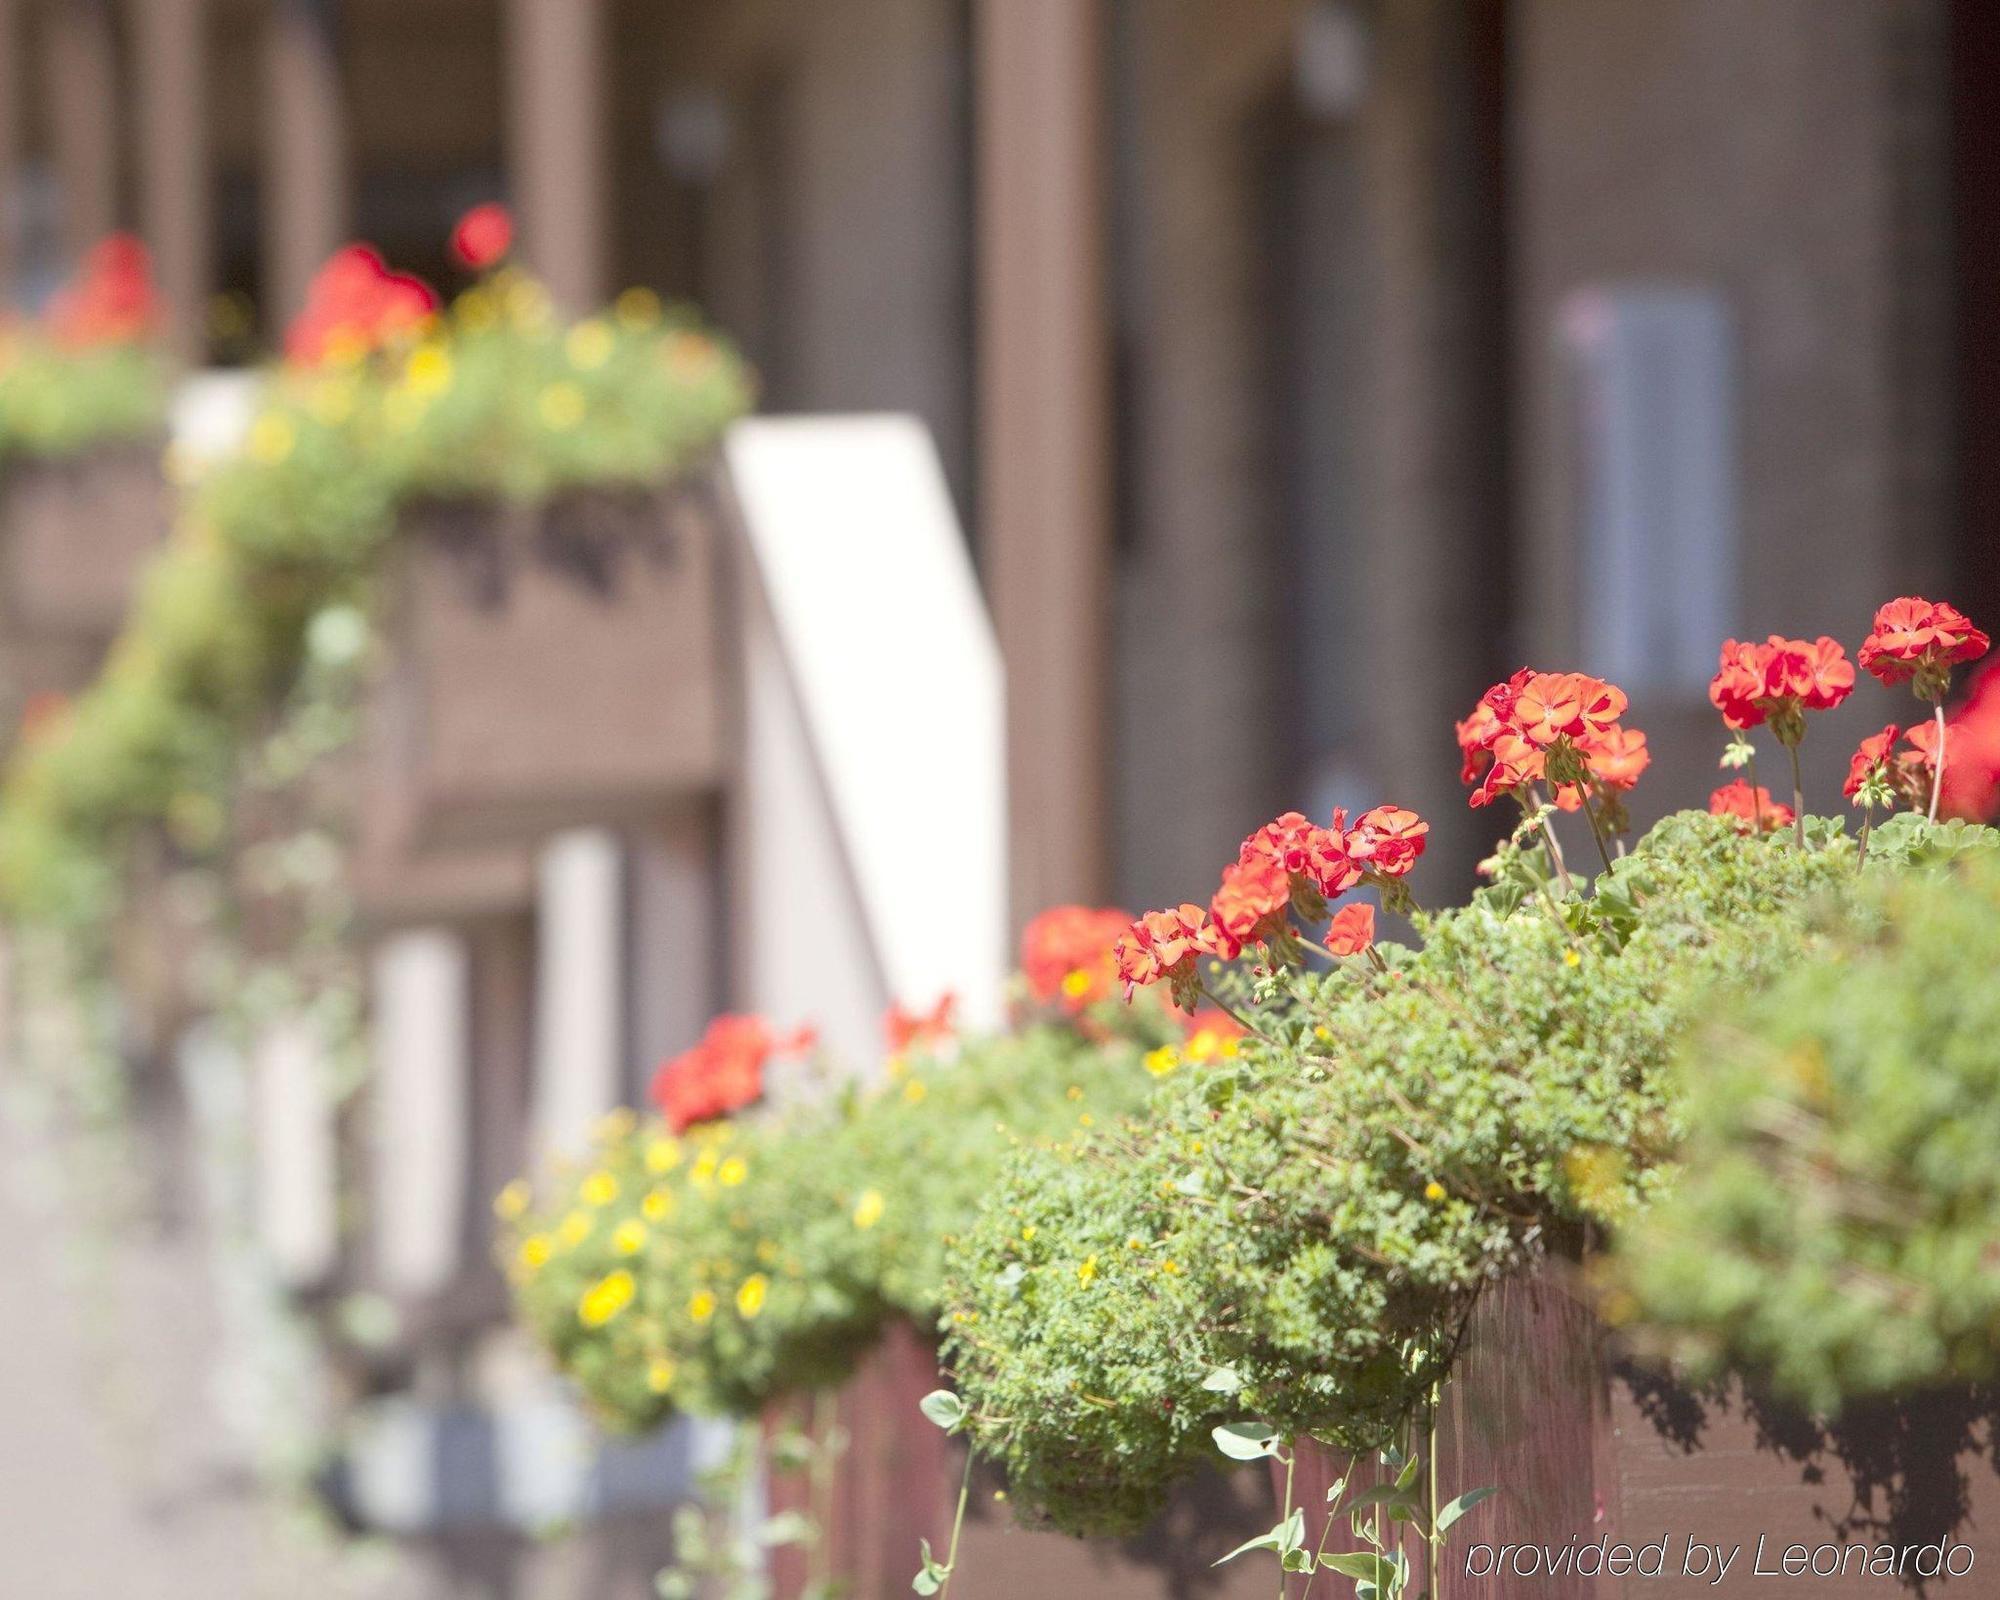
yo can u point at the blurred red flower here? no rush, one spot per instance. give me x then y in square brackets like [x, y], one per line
[110, 300]
[483, 236]
[354, 305]
[919, 1030]
[1066, 955]
[723, 1071]
[1749, 808]
[1352, 929]
[1870, 755]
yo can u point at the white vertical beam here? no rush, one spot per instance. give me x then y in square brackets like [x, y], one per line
[422, 1052]
[579, 1033]
[294, 1143]
[676, 962]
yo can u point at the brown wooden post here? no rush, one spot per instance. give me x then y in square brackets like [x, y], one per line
[80, 80]
[556, 143]
[305, 142]
[11, 79]
[170, 59]
[1045, 444]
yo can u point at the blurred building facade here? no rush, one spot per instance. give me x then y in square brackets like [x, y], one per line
[1301, 365]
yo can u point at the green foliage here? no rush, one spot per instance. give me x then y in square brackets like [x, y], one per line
[1317, 1217]
[291, 527]
[1834, 1222]
[58, 400]
[765, 1255]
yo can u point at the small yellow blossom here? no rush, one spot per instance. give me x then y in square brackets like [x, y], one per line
[1171, 1267]
[750, 1295]
[1086, 1121]
[659, 1375]
[599, 1189]
[914, 1091]
[535, 1252]
[732, 1172]
[638, 308]
[868, 1209]
[589, 344]
[511, 1203]
[1076, 983]
[1433, 1190]
[663, 1154]
[1028, 1234]
[428, 371]
[702, 1173]
[1087, 1272]
[629, 1237]
[605, 1299]
[657, 1206]
[561, 406]
[272, 437]
[1162, 1061]
[1205, 1045]
[1075, 1092]
[702, 1306]
[574, 1229]
[1572, 959]
[616, 1125]
[1135, 1243]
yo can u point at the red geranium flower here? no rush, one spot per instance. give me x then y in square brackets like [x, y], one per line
[1250, 906]
[111, 300]
[1920, 639]
[1066, 955]
[722, 1072]
[1165, 945]
[1352, 929]
[1553, 706]
[1617, 757]
[1750, 808]
[1386, 841]
[1779, 679]
[355, 304]
[483, 236]
[919, 1030]
[1516, 764]
[1869, 756]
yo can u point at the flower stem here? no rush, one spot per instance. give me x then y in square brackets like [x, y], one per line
[957, 1522]
[1285, 1510]
[1798, 797]
[1597, 835]
[1861, 855]
[1937, 772]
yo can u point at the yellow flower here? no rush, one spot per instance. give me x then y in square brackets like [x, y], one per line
[589, 344]
[659, 1375]
[638, 308]
[1171, 1267]
[1028, 1234]
[1087, 1273]
[1572, 959]
[1433, 1190]
[561, 406]
[599, 1189]
[1205, 1044]
[1076, 983]
[702, 1306]
[1074, 1092]
[1162, 1061]
[511, 1203]
[428, 371]
[732, 1172]
[629, 1237]
[272, 437]
[615, 1125]
[914, 1091]
[535, 1252]
[702, 1173]
[574, 1229]
[663, 1154]
[868, 1209]
[1086, 1121]
[657, 1206]
[605, 1299]
[750, 1296]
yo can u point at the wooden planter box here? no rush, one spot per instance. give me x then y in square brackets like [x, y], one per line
[548, 666]
[74, 534]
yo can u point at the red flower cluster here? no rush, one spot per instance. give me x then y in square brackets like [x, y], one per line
[1290, 866]
[1066, 955]
[356, 304]
[1971, 786]
[919, 1030]
[1921, 640]
[1778, 682]
[483, 236]
[111, 300]
[1558, 726]
[722, 1072]
[1752, 809]
[1870, 760]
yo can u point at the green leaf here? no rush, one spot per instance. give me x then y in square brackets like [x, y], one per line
[944, 1408]
[1273, 1540]
[787, 1527]
[1223, 1380]
[1362, 1564]
[1452, 1510]
[1246, 1441]
[1408, 1475]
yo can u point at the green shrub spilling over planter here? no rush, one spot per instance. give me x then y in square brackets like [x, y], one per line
[1835, 1225]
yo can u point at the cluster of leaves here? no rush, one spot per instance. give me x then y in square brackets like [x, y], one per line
[291, 526]
[1834, 1221]
[1300, 1234]
[58, 399]
[754, 1259]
